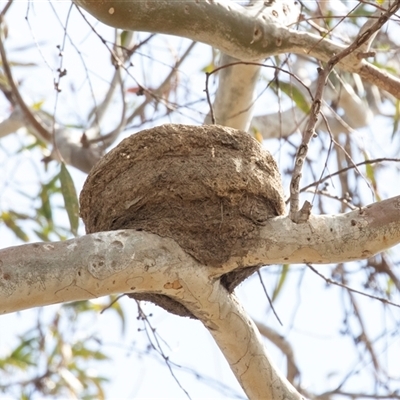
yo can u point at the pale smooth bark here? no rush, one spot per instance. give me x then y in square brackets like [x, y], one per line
[12, 123]
[233, 29]
[234, 100]
[236, 92]
[280, 124]
[129, 261]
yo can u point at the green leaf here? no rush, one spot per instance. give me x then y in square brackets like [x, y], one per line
[396, 118]
[390, 287]
[10, 221]
[257, 134]
[209, 67]
[81, 306]
[38, 105]
[70, 198]
[89, 354]
[370, 172]
[45, 210]
[282, 278]
[124, 36]
[42, 236]
[21, 357]
[295, 94]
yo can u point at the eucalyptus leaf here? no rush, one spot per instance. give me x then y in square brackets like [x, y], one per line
[70, 198]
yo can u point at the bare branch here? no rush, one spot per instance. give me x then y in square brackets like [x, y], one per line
[309, 132]
[242, 35]
[332, 282]
[127, 261]
[39, 127]
[50, 273]
[155, 94]
[342, 171]
[284, 346]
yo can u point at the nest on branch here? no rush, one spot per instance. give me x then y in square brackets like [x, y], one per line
[209, 188]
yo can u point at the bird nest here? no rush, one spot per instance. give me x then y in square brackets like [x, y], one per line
[209, 188]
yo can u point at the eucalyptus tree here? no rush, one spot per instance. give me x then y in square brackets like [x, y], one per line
[181, 214]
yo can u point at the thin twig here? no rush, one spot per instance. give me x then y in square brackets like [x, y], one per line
[40, 129]
[343, 200]
[383, 267]
[346, 153]
[109, 138]
[212, 116]
[301, 154]
[153, 94]
[297, 215]
[61, 73]
[112, 303]
[269, 299]
[265, 66]
[208, 74]
[330, 281]
[120, 63]
[341, 171]
[158, 348]
[363, 336]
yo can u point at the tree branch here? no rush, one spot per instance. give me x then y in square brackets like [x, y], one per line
[284, 346]
[106, 263]
[129, 261]
[126, 261]
[242, 34]
[234, 100]
[67, 145]
[323, 74]
[236, 92]
[28, 114]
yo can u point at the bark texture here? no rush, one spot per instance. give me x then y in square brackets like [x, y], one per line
[235, 30]
[123, 261]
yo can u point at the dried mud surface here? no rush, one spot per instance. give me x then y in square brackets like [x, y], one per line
[210, 188]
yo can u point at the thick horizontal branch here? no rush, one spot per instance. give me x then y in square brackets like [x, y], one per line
[128, 261]
[88, 267]
[233, 29]
[222, 24]
[326, 239]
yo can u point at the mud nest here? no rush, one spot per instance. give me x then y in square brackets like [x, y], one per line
[209, 188]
